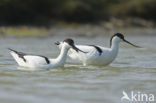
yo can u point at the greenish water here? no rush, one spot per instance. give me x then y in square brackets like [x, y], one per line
[133, 70]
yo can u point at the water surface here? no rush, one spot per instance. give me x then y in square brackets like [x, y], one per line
[133, 70]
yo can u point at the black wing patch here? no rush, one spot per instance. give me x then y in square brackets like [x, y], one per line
[21, 55]
[47, 60]
[98, 49]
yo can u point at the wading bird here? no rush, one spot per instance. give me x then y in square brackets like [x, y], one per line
[37, 61]
[97, 55]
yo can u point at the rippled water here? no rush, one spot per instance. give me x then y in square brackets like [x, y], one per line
[133, 70]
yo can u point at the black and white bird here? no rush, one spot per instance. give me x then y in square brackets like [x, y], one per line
[37, 61]
[97, 55]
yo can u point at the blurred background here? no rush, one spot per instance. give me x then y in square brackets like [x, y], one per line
[46, 17]
[32, 26]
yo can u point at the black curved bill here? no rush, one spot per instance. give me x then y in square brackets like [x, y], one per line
[77, 49]
[57, 43]
[131, 43]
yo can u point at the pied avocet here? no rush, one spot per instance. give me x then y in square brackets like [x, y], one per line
[37, 61]
[97, 55]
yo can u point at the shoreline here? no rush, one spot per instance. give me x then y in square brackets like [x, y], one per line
[80, 30]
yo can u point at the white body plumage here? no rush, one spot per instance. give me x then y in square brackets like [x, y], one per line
[97, 55]
[36, 61]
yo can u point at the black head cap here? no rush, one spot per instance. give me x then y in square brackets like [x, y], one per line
[119, 35]
[69, 41]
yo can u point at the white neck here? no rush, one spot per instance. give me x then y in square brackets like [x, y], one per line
[60, 60]
[114, 47]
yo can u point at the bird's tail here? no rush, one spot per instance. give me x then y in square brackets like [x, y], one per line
[14, 55]
[12, 50]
